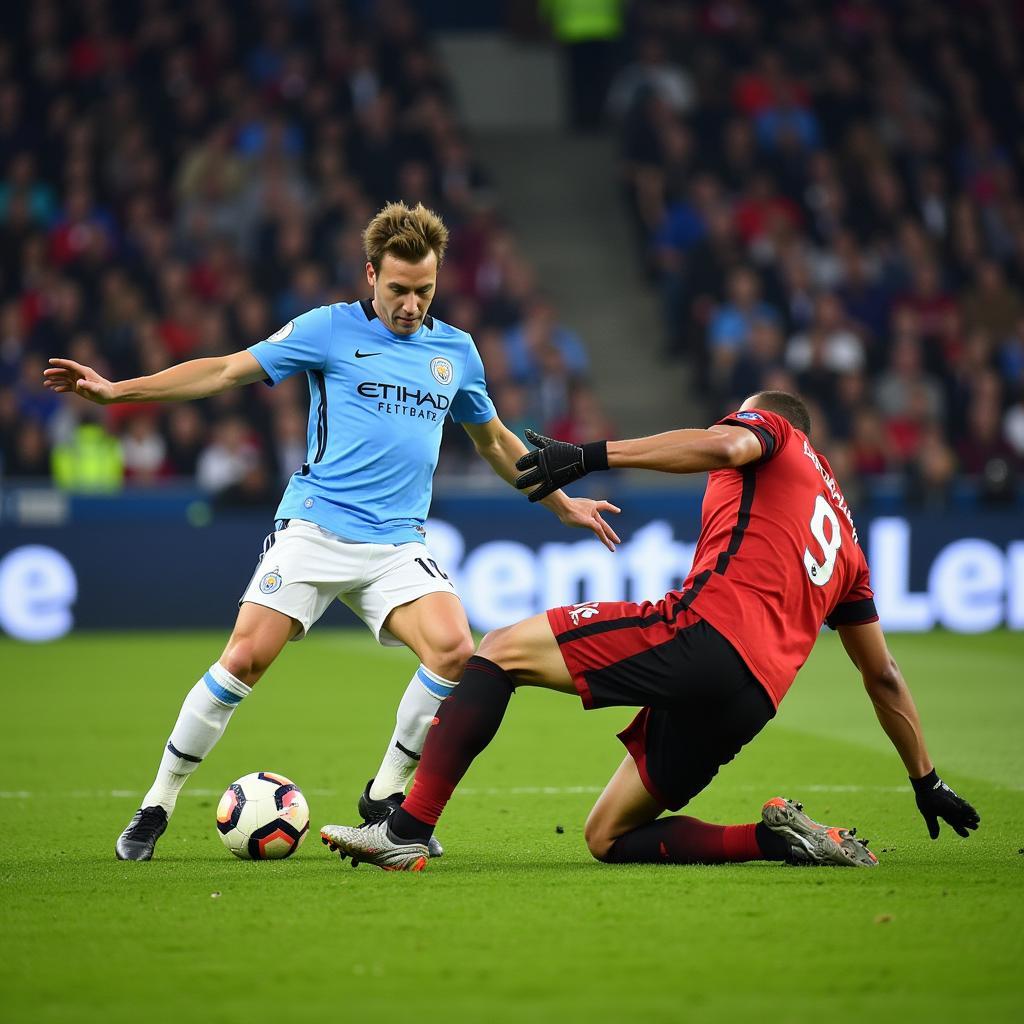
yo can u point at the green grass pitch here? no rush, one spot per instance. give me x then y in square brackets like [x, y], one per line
[516, 923]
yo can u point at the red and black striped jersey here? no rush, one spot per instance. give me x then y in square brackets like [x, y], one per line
[777, 555]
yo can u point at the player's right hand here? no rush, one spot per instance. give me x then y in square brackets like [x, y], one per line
[67, 375]
[936, 800]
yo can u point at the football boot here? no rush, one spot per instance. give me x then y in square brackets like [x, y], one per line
[812, 843]
[371, 844]
[138, 840]
[372, 811]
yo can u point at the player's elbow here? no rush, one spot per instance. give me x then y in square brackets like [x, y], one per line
[728, 450]
[490, 451]
[491, 444]
[885, 679]
[235, 370]
[230, 373]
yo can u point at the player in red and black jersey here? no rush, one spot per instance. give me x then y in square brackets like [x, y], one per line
[777, 556]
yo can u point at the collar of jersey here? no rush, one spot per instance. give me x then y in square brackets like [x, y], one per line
[377, 324]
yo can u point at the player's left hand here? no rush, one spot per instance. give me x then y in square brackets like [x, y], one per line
[586, 513]
[557, 463]
[936, 800]
[553, 465]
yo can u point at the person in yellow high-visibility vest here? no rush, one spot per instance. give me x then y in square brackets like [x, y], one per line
[90, 460]
[588, 31]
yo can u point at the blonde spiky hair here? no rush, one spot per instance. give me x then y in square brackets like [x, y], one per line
[406, 234]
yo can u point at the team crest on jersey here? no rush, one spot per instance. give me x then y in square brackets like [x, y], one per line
[283, 333]
[587, 610]
[270, 582]
[442, 370]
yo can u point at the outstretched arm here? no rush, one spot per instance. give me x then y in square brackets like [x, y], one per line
[197, 378]
[894, 706]
[557, 463]
[501, 448]
[687, 451]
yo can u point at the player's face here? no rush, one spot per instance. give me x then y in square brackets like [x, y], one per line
[402, 292]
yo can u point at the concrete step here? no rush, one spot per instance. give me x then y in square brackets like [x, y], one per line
[560, 194]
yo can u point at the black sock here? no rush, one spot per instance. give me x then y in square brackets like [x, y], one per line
[773, 846]
[404, 828]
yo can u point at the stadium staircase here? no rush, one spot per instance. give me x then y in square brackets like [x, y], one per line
[559, 192]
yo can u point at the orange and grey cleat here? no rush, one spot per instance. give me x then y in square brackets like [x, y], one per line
[373, 811]
[811, 843]
[371, 844]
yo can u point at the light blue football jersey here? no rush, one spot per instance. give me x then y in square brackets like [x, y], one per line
[378, 401]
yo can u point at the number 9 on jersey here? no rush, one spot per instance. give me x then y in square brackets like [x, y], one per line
[821, 572]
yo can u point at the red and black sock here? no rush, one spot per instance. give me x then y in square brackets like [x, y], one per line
[682, 840]
[466, 722]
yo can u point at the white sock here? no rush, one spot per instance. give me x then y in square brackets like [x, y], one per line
[201, 722]
[424, 693]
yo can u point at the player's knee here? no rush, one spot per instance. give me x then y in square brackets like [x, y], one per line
[449, 654]
[495, 646]
[244, 659]
[599, 840]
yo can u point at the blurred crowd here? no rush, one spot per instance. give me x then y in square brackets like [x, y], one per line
[181, 179]
[829, 197]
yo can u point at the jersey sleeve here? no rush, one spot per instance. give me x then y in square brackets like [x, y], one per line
[857, 605]
[769, 428]
[472, 404]
[302, 344]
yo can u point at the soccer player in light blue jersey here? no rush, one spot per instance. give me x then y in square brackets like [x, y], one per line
[383, 376]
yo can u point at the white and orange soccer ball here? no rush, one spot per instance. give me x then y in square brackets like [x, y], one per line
[263, 816]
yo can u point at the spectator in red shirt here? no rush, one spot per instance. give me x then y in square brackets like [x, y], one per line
[763, 209]
[583, 419]
[929, 302]
[764, 86]
[984, 442]
[82, 231]
[868, 448]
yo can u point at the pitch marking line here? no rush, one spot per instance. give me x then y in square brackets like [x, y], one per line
[199, 793]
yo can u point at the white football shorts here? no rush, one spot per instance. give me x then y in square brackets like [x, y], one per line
[304, 568]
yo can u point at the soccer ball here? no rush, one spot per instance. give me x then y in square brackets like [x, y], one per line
[263, 816]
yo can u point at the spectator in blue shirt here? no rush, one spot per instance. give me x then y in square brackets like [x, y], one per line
[539, 329]
[732, 321]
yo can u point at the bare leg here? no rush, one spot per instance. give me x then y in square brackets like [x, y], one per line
[435, 628]
[624, 806]
[625, 827]
[529, 653]
[257, 639]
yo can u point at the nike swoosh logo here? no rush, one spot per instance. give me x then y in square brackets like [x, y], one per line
[363, 355]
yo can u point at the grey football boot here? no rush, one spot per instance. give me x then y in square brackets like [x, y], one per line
[372, 811]
[812, 843]
[371, 844]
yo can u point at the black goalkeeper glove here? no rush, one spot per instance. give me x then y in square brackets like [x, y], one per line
[557, 463]
[936, 800]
